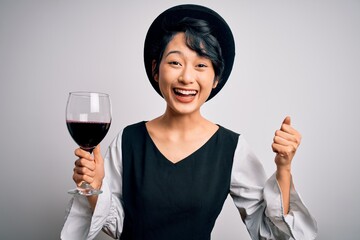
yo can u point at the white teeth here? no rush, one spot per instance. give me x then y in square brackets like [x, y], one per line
[185, 92]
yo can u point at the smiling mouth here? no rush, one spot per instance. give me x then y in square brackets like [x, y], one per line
[184, 92]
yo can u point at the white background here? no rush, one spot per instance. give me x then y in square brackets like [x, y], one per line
[297, 58]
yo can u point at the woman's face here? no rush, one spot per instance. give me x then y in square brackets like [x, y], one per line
[185, 78]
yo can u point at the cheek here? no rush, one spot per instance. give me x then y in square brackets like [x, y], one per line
[166, 76]
[164, 85]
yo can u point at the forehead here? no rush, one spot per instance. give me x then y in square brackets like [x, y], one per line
[178, 45]
[178, 40]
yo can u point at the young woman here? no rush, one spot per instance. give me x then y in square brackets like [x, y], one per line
[168, 178]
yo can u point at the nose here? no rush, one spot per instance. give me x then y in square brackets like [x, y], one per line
[187, 76]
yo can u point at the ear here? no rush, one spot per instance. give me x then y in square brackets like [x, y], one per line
[216, 81]
[155, 75]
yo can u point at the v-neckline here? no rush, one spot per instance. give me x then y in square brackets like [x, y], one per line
[186, 157]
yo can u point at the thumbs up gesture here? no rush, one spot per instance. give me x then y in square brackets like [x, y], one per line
[286, 142]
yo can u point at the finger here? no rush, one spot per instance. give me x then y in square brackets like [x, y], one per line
[83, 174]
[285, 135]
[83, 154]
[291, 135]
[283, 150]
[290, 130]
[286, 124]
[282, 144]
[97, 155]
[285, 139]
[82, 162]
[85, 170]
[78, 179]
[287, 120]
[281, 141]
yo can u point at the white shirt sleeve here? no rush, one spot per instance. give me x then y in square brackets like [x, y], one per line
[80, 222]
[259, 201]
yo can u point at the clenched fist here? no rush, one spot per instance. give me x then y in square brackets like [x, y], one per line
[286, 142]
[89, 168]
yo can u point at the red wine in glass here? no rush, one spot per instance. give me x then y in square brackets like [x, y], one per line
[88, 119]
[87, 134]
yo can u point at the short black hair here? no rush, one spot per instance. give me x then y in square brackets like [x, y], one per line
[198, 38]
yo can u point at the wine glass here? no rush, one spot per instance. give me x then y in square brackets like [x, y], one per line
[88, 119]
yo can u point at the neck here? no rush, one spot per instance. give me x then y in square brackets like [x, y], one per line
[182, 122]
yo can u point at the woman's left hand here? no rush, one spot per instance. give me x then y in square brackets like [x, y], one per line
[286, 141]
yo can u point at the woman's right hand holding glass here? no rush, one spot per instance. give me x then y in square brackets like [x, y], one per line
[89, 168]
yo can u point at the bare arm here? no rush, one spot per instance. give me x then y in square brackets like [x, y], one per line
[286, 142]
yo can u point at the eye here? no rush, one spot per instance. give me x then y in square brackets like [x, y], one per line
[201, 65]
[175, 63]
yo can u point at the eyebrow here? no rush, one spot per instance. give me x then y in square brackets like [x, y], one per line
[182, 54]
[174, 52]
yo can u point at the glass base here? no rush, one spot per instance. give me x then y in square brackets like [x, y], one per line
[85, 189]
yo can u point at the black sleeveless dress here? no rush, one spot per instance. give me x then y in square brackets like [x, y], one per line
[174, 201]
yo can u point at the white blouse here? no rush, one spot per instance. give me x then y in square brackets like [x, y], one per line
[257, 198]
